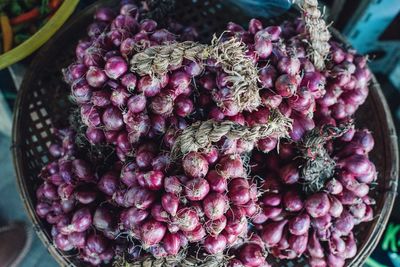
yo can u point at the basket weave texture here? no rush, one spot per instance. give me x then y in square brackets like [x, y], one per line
[42, 103]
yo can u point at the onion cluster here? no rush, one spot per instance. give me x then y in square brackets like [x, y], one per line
[319, 225]
[117, 106]
[234, 197]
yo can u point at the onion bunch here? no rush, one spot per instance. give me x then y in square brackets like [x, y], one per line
[236, 196]
[319, 225]
[117, 106]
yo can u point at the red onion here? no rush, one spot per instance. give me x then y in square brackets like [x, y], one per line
[93, 57]
[215, 205]
[96, 77]
[334, 187]
[290, 173]
[179, 81]
[152, 180]
[119, 96]
[251, 208]
[267, 144]
[335, 260]
[273, 232]
[351, 247]
[215, 227]
[100, 98]
[82, 170]
[159, 214]
[162, 35]
[152, 232]
[171, 243]
[95, 136]
[263, 46]
[158, 124]
[336, 245]
[365, 139]
[216, 114]
[197, 189]
[286, 85]
[80, 222]
[244, 146]
[314, 247]
[144, 159]
[42, 209]
[124, 22]
[231, 166]
[315, 82]
[139, 198]
[233, 27]
[183, 106]
[103, 218]
[193, 68]
[292, 201]
[195, 165]
[196, 235]
[77, 239]
[344, 224]
[127, 48]
[49, 191]
[215, 245]
[239, 195]
[369, 214]
[85, 196]
[267, 213]
[231, 239]
[217, 182]
[251, 255]
[255, 25]
[137, 103]
[289, 65]
[65, 191]
[298, 243]
[115, 67]
[272, 199]
[300, 224]
[317, 205]
[149, 86]
[336, 208]
[129, 80]
[62, 242]
[348, 198]
[170, 203]
[81, 92]
[187, 219]
[137, 125]
[112, 119]
[172, 185]
[211, 155]
[132, 217]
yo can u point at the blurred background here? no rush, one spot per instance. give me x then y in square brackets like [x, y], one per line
[371, 26]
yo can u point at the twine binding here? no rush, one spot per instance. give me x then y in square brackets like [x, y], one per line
[317, 31]
[319, 166]
[181, 260]
[201, 135]
[229, 54]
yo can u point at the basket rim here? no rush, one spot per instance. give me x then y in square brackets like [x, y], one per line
[374, 88]
[40, 37]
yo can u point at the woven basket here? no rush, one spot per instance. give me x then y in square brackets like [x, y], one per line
[42, 103]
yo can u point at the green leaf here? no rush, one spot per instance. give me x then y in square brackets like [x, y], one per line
[15, 8]
[44, 7]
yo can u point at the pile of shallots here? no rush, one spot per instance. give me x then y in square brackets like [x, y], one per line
[237, 198]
